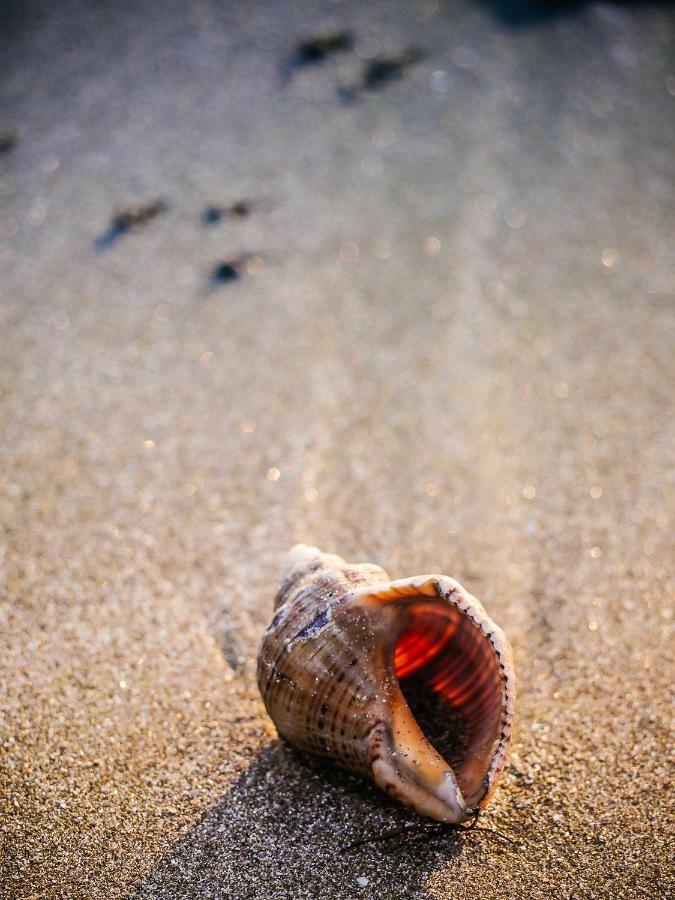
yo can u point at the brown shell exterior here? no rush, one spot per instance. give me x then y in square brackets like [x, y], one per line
[329, 667]
[335, 713]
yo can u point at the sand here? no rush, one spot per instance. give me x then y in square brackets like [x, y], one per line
[449, 348]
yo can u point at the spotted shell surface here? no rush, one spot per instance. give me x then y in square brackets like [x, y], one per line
[332, 664]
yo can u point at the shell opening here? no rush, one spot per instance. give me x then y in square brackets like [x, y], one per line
[449, 675]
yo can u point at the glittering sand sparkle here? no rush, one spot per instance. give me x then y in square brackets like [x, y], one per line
[456, 357]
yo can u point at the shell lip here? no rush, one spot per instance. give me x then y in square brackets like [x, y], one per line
[444, 590]
[434, 793]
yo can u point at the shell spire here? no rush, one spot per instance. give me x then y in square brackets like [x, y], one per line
[408, 682]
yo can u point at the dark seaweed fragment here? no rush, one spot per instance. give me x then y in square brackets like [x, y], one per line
[382, 71]
[131, 219]
[212, 215]
[8, 142]
[226, 272]
[316, 50]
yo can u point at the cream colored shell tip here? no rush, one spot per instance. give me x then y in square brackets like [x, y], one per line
[408, 682]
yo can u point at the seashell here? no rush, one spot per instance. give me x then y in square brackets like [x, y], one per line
[337, 662]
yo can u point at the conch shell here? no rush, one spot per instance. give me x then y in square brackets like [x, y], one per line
[334, 663]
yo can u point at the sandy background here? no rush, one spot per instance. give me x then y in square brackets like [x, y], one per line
[454, 354]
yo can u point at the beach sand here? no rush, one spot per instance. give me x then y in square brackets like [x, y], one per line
[447, 346]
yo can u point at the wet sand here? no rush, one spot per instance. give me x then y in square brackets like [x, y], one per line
[447, 346]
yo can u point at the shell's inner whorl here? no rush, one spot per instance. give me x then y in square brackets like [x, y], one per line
[449, 676]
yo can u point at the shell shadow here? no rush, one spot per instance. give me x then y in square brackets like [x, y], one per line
[281, 830]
